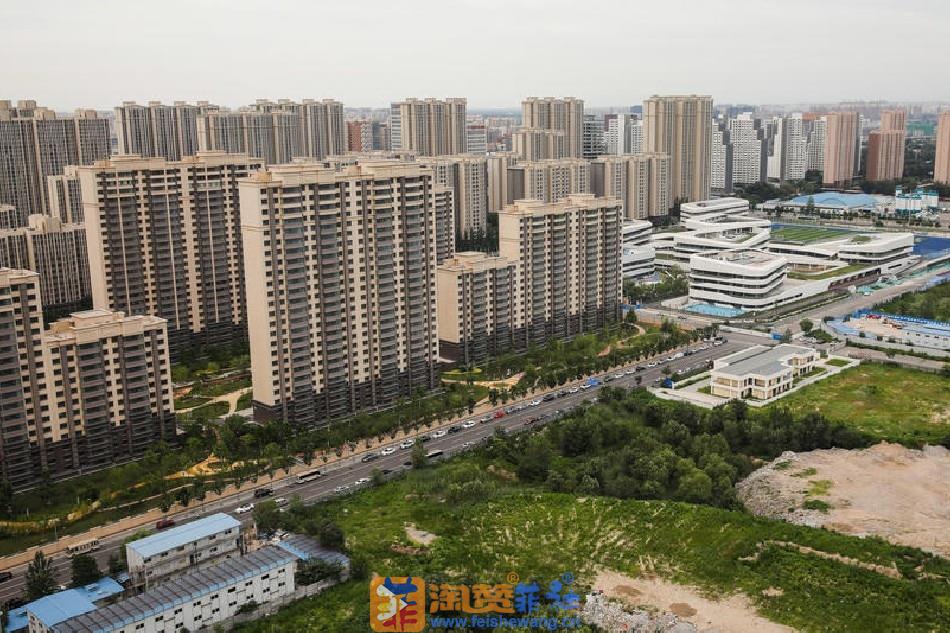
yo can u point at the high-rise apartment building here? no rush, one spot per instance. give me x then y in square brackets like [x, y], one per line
[64, 196]
[593, 144]
[366, 136]
[341, 264]
[566, 115]
[749, 149]
[720, 175]
[57, 252]
[623, 134]
[640, 181]
[815, 127]
[34, 145]
[498, 164]
[429, 127]
[842, 147]
[538, 144]
[159, 130]
[942, 157]
[548, 180]
[92, 391]
[681, 126]
[273, 136]
[165, 239]
[467, 176]
[477, 305]
[567, 256]
[444, 223]
[476, 134]
[886, 147]
[788, 157]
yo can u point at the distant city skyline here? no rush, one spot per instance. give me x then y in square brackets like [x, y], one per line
[99, 54]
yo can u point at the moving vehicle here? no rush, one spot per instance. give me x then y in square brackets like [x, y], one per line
[281, 501]
[369, 457]
[434, 454]
[455, 428]
[341, 489]
[83, 547]
[263, 492]
[468, 424]
[5, 576]
[165, 523]
[499, 414]
[485, 419]
[439, 434]
[406, 444]
[389, 450]
[535, 403]
[247, 507]
[362, 481]
[309, 475]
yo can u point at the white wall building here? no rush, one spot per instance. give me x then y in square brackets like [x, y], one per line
[748, 149]
[638, 257]
[744, 279]
[761, 372]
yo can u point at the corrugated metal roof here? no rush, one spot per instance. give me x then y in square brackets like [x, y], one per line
[305, 548]
[183, 534]
[62, 605]
[177, 591]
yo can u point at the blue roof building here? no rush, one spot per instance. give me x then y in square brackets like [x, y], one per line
[183, 534]
[833, 201]
[63, 605]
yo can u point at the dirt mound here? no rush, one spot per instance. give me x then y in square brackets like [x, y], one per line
[897, 493]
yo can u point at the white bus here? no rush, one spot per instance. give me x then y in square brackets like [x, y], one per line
[309, 475]
[83, 547]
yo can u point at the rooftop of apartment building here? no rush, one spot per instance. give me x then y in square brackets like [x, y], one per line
[473, 261]
[63, 605]
[760, 360]
[572, 201]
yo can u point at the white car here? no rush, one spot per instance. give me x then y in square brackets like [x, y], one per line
[573, 389]
[341, 489]
[535, 403]
[362, 481]
[469, 424]
[407, 444]
[281, 501]
[440, 433]
[653, 364]
[244, 509]
[389, 450]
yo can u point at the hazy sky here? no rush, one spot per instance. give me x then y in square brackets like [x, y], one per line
[94, 53]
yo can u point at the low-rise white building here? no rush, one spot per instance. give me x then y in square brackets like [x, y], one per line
[182, 549]
[714, 234]
[637, 254]
[713, 209]
[746, 279]
[845, 250]
[194, 601]
[760, 372]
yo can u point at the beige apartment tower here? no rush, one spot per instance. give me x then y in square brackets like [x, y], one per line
[467, 176]
[567, 254]
[156, 130]
[429, 127]
[94, 390]
[842, 147]
[548, 180]
[565, 115]
[498, 164]
[340, 273]
[886, 147]
[477, 304]
[537, 144]
[165, 240]
[640, 181]
[942, 158]
[35, 144]
[681, 127]
[57, 252]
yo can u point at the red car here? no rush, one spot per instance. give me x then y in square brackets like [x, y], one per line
[499, 414]
[162, 524]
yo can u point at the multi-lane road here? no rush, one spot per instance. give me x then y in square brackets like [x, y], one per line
[346, 473]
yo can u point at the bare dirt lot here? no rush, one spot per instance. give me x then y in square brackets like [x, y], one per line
[734, 613]
[899, 494]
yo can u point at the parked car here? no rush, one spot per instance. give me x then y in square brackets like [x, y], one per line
[263, 492]
[163, 524]
[247, 507]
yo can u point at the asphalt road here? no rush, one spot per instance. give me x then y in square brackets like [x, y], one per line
[348, 472]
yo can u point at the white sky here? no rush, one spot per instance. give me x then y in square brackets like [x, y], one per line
[97, 53]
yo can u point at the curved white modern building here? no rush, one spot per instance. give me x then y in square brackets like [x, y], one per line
[716, 233]
[746, 279]
[846, 250]
[637, 254]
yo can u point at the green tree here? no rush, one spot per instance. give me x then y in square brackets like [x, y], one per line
[418, 455]
[330, 535]
[266, 516]
[84, 570]
[116, 566]
[39, 577]
[806, 325]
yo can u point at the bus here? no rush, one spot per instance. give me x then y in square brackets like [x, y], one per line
[83, 547]
[309, 475]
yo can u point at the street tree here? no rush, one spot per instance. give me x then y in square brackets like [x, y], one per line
[39, 577]
[84, 570]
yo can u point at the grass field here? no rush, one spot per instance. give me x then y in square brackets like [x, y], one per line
[507, 527]
[844, 270]
[929, 304]
[893, 403]
[805, 234]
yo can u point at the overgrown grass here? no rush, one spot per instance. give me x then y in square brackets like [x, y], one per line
[889, 403]
[514, 528]
[928, 304]
[837, 362]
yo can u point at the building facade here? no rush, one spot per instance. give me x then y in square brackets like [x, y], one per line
[760, 372]
[477, 304]
[35, 144]
[538, 144]
[681, 127]
[548, 180]
[157, 130]
[842, 148]
[165, 239]
[565, 115]
[942, 156]
[593, 136]
[429, 127]
[721, 159]
[498, 164]
[57, 252]
[886, 147]
[749, 149]
[342, 263]
[788, 155]
[568, 275]
[467, 176]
